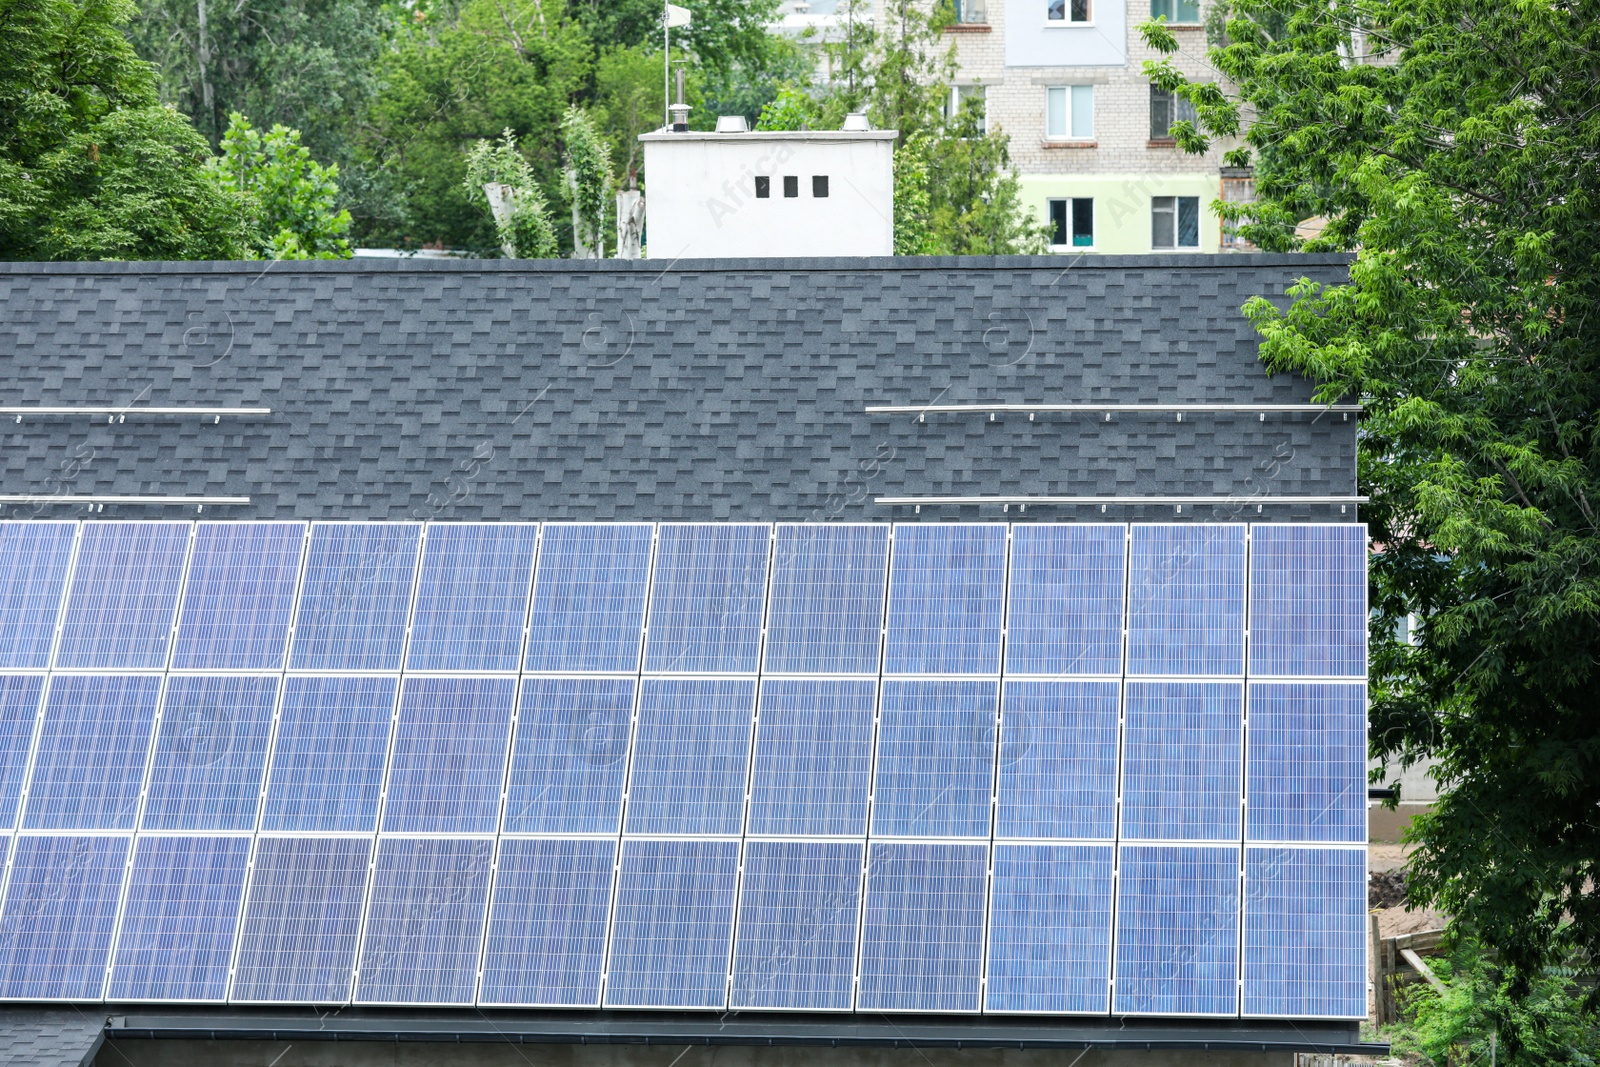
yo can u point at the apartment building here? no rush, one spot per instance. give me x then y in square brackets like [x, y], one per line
[1089, 133]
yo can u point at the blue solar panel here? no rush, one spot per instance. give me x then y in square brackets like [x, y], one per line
[826, 613]
[1186, 600]
[1308, 601]
[472, 597]
[1177, 931]
[570, 756]
[796, 945]
[813, 763]
[705, 609]
[946, 599]
[1058, 760]
[691, 757]
[547, 925]
[674, 924]
[19, 710]
[449, 755]
[425, 921]
[302, 919]
[124, 593]
[327, 762]
[1050, 929]
[1065, 613]
[59, 916]
[211, 750]
[589, 597]
[240, 596]
[177, 926]
[1180, 766]
[922, 946]
[355, 597]
[936, 755]
[1305, 932]
[1305, 774]
[34, 557]
[92, 750]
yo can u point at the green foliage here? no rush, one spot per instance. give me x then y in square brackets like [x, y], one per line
[293, 197]
[1464, 166]
[792, 108]
[627, 103]
[721, 35]
[525, 230]
[91, 165]
[976, 207]
[745, 88]
[589, 170]
[913, 200]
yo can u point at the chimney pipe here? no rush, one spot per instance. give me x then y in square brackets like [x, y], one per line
[680, 110]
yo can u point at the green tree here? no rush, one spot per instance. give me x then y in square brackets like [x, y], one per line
[294, 198]
[589, 175]
[1455, 145]
[91, 165]
[721, 35]
[522, 223]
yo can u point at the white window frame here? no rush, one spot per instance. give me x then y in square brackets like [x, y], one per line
[1070, 95]
[1066, 6]
[1071, 230]
[953, 107]
[1174, 207]
[1199, 16]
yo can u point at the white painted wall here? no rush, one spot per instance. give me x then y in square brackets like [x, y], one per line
[1032, 40]
[700, 197]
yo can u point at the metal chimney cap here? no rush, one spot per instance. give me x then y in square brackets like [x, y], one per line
[732, 124]
[857, 121]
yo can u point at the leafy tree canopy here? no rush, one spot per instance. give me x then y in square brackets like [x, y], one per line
[292, 196]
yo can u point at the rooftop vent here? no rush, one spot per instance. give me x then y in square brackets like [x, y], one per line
[857, 121]
[732, 124]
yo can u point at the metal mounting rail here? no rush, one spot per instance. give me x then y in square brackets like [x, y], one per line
[920, 409]
[120, 414]
[68, 498]
[1119, 500]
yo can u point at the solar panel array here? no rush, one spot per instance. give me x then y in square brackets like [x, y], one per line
[924, 768]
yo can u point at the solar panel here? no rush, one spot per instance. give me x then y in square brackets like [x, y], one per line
[1305, 918]
[673, 924]
[1058, 760]
[124, 593]
[1308, 601]
[211, 750]
[1064, 613]
[34, 558]
[472, 597]
[570, 756]
[1181, 761]
[946, 599]
[936, 755]
[302, 919]
[589, 597]
[355, 597]
[1305, 774]
[19, 711]
[1050, 929]
[327, 762]
[449, 755]
[691, 757]
[59, 916]
[1186, 600]
[547, 924]
[92, 749]
[796, 945]
[176, 939]
[813, 760]
[826, 613]
[239, 599]
[1177, 930]
[425, 921]
[922, 943]
[706, 606]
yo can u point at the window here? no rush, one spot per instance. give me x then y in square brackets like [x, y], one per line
[1178, 12]
[1165, 109]
[1238, 187]
[791, 185]
[1175, 222]
[972, 12]
[763, 187]
[1069, 112]
[1068, 11]
[819, 185]
[1072, 222]
[969, 101]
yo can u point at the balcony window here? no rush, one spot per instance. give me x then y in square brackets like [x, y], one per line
[1059, 11]
[1177, 12]
[1175, 222]
[1072, 222]
[1069, 113]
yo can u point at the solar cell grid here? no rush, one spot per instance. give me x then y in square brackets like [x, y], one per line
[1064, 612]
[1305, 933]
[813, 759]
[124, 594]
[547, 925]
[691, 757]
[946, 599]
[1181, 776]
[936, 758]
[673, 924]
[472, 597]
[210, 752]
[826, 605]
[796, 945]
[328, 758]
[1050, 929]
[34, 559]
[239, 597]
[589, 597]
[176, 939]
[1308, 601]
[1186, 600]
[570, 755]
[922, 944]
[355, 597]
[1305, 772]
[706, 606]
[1058, 760]
[302, 920]
[1177, 931]
[449, 755]
[425, 921]
[19, 711]
[59, 915]
[92, 750]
